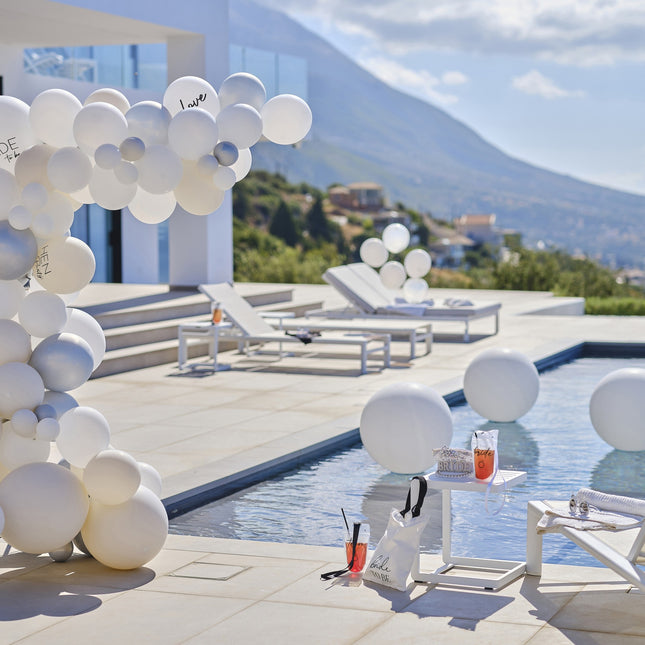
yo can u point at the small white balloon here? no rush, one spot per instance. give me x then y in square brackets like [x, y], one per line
[34, 197]
[42, 226]
[150, 208]
[60, 401]
[196, 193]
[24, 423]
[240, 124]
[112, 477]
[191, 92]
[63, 554]
[373, 252]
[126, 172]
[107, 156]
[150, 478]
[47, 429]
[242, 88]
[392, 275]
[148, 121]
[20, 217]
[111, 96]
[396, 237]
[69, 169]
[415, 290]
[160, 169]
[84, 432]
[207, 165]
[224, 178]
[31, 166]
[226, 153]
[132, 148]
[417, 263]
[286, 119]
[192, 133]
[42, 313]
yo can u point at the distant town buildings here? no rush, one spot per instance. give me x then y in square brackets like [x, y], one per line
[364, 195]
[480, 229]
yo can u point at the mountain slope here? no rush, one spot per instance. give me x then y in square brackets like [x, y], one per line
[365, 130]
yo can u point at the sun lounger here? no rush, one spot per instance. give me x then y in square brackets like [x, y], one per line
[361, 286]
[248, 328]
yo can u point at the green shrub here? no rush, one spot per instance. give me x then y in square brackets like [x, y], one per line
[615, 306]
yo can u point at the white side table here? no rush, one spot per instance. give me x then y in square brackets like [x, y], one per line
[203, 330]
[506, 570]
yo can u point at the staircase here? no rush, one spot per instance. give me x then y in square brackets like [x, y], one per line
[142, 331]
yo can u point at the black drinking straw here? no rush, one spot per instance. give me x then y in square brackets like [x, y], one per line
[345, 518]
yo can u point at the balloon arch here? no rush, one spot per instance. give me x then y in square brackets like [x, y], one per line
[61, 481]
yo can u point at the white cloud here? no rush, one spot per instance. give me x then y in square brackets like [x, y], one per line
[419, 83]
[580, 32]
[537, 84]
[454, 77]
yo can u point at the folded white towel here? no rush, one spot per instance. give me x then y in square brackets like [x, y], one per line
[607, 502]
[558, 514]
[457, 302]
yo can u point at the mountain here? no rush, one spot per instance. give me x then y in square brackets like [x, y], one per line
[365, 130]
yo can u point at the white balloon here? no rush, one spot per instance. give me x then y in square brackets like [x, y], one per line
[243, 164]
[111, 96]
[150, 478]
[160, 169]
[44, 505]
[20, 217]
[34, 197]
[132, 148]
[392, 274]
[82, 324]
[415, 290]
[52, 117]
[108, 192]
[207, 165]
[18, 251]
[189, 92]
[84, 432]
[107, 156]
[17, 450]
[64, 361]
[31, 166]
[242, 88]
[11, 294]
[196, 193]
[24, 422]
[126, 172]
[286, 119]
[192, 133]
[373, 252]
[99, 123]
[64, 265]
[417, 263]
[69, 169]
[501, 384]
[82, 196]
[15, 343]
[112, 477]
[240, 124]
[60, 401]
[16, 135]
[42, 226]
[396, 237]
[149, 121]
[8, 191]
[617, 409]
[20, 387]
[150, 208]
[47, 429]
[42, 313]
[224, 178]
[126, 536]
[401, 425]
[60, 209]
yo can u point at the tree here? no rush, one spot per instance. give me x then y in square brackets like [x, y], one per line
[283, 225]
[317, 223]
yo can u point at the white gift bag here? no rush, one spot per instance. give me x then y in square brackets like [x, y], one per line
[394, 555]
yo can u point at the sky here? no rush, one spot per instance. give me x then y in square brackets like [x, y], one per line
[557, 83]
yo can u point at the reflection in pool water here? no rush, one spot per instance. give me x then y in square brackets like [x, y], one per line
[555, 443]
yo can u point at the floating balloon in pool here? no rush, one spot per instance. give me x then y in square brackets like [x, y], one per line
[617, 409]
[401, 425]
[501, 384]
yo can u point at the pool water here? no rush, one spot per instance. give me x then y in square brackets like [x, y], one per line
[554, 443]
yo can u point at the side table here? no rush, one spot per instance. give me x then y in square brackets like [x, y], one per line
[203, 330]
[506, 570]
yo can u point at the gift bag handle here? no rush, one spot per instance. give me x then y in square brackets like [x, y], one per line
[335, 574]
[423, 489]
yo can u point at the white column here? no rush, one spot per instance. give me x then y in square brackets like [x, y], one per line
[140, 248]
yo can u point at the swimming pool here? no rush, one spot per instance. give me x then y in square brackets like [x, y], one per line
[554, 443]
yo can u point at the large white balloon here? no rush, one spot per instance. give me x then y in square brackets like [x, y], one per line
[15, 343]
[373, 252]
[196, 193]
[64, 361]
[64, 265]
[112, 477]
[44, 505]
[149, 121]
[34, 196]
[188, 92]
[17, 450]
[150, 208]
[82, 324]
[98, 123]
[192, 133]
[243, 164]
[60, 211]
[240, 124]
[69, 169]
[84, 432]
[60, 401]
[16, 134]
[108, 192]
[52, 117]
[20, 387]
[501, 384]
[126, 536]
[417, 263]
[286, 119]
[242, 88]
[150, 478]
[111, 96]
[11, 294]
[617, 409]
[392, 274]
[31, 166]
[396, 237]
[160, 169]
[401, 425]
[18, 251]
[42, 313]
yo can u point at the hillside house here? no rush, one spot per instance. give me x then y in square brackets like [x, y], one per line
[480, 229]
[449, 248]
[364, 195]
